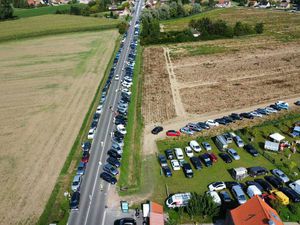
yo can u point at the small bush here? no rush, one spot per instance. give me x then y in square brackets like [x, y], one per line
[259, 28]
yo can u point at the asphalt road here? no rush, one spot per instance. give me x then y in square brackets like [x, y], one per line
[92, 210]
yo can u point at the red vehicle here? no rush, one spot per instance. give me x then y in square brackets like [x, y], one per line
[85, 157]
[173, 133]
[213, 157]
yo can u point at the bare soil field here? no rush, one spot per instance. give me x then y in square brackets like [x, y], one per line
[157, 95]
[46, 87]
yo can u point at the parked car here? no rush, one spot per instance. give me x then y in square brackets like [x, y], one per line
[281, 197]
[291, 194]
[270, 110]
[74, 202]
[189, 151]
[157, 129]
[297, 103]
[215, 197]
[250, 182]
[239, 194]
[230, 184]
[281, 175]
[196, 162]
[275, 181]
[86, 146]
[187, 130]
[206, 159]
[91, 133]
[233, 154]
[173, 133]
[203, 125]
[206, 146]
[99, 109]
[113, 161]
[85, 157]
[253, 190]
[235, 116]
[81, 168]
[221, 121]
[225, 197]
[125, 221]
[195, 146]
[247, 115]
[217, 186]
[162, 160]
[257, 171]
[225, 157]
[194, 127]
[213, 157]
[169, 154]
[122, 129]
[212, 123]
[295, 186]
[175, 164]
[167, 171]
[178, 153]
[114, 153]
[187, 170]
[282, 105]
[256, 114]
[266, 186]
[249, 148]
[76, 183]
[239, 142]
[262, 111]
[110, 169]
[108, 178]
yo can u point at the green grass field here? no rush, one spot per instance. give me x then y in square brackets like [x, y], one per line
[281, 24]
[23, 13]
[52, 24]
[219, 171]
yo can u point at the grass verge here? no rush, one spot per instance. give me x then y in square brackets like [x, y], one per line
[57, 207]
[130, 172]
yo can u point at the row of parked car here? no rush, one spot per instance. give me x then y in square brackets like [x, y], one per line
[191, 128]
[110, 169]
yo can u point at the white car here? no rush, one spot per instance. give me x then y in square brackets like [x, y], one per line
[76, 183]
[126, 90]
[117, 77]
[179, 153]
[212, 123]
[195, 146]
[271, 110]
[175, 164]
[121, 128]
[99, 109]
[233, 154]
[295, 186]
[217, 186]
[281, 175]
[91, 133]
[189, 151]
[125, 84]
[215, 197]
[253, 190]
[256, 114]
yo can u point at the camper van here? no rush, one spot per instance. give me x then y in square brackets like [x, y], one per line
[221, 142]
[239, 173]
[178, 200]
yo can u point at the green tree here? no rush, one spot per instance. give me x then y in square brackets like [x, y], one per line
[173, 9]
[180, 9]
[259, 28]
[242, 29]
[164, 12]
[211, 3]
[196, 8]
[187, 9]
[75, 10]
[6, 9]
[123, 27]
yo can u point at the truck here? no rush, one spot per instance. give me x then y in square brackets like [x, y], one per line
[178, 200]
[221, 142]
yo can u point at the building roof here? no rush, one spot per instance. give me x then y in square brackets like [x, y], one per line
[255, 211]
[277, 137]
[156, 214]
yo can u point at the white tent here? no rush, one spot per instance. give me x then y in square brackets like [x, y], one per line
[277, 137]
[273, 146]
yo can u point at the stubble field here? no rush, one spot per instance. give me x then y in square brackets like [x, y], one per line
[46, 87]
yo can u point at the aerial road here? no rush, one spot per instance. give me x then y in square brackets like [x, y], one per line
[94, 191]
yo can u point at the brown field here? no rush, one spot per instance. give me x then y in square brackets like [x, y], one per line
[46, 87]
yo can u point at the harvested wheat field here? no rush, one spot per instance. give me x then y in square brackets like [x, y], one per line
[46, 87]
[157, 95]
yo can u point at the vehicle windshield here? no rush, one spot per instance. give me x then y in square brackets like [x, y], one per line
[241, 197]
[170, 201]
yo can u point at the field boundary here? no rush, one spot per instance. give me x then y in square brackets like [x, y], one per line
[53, 201]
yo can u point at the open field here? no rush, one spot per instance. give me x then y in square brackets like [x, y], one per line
[52, 24]
[45, 94]
[285, 29]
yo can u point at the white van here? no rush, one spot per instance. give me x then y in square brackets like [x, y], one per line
[179, 153]
[295, 186]
[239, 173]
[253, 190]
[178, 200]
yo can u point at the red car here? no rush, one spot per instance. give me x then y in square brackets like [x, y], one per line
[213, 157]
[85, 157]
[173, 133]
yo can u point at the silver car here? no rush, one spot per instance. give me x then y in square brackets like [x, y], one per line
[239, 194]
[233, 154]
[110, 169]
[281, 175]
[76, 183]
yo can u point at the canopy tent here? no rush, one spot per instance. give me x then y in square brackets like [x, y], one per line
[277, 137]
[273, 146]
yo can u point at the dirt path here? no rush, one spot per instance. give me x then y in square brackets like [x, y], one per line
[180, 111]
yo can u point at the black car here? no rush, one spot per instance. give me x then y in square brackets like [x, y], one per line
[249, 148]
[94, 124]
[96, 117]
[162, 160]
[255, 184]
[235, 116]
[74, 202]
[221, 121]
[228, 119]
[225, 157]
[206, 159]
[257, 171]
[187, 170]
[118, 134]
[196, 162]
[225, 197]
[157, 129]
[169, 154]
[203, 125]
[247, 115]
[276, 107]
[167, 171]
[293, 195]
[275, 181]
[125, 221]
[230, 184]
[113, 161]
[265, 185]
[262, 111]
[108, 177]
[297, 103]
[114, 153]
[86, 146]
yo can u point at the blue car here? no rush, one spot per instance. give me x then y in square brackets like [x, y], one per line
[206, 159]
[81, 168]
